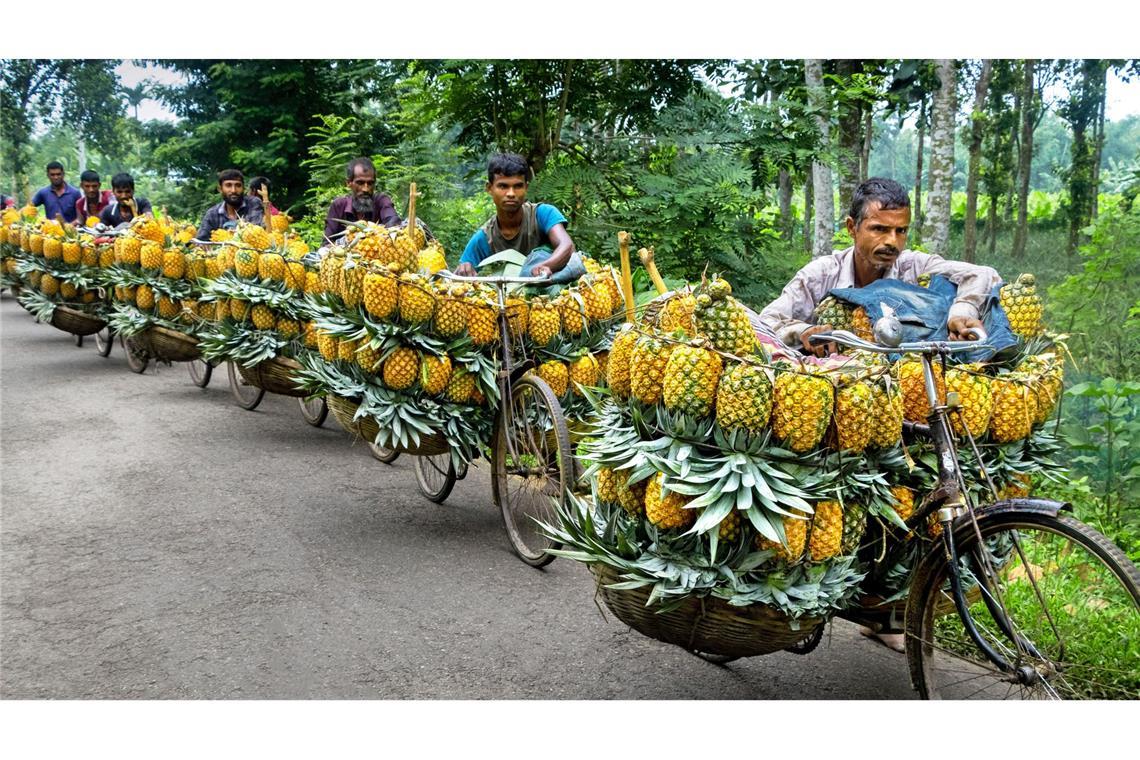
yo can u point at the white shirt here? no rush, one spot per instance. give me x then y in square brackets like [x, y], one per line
[790, 314]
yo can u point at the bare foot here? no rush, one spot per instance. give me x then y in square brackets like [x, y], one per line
[893, 641]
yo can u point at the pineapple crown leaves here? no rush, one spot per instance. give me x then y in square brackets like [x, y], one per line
[241, 343]
[38, 304]
[128, 321]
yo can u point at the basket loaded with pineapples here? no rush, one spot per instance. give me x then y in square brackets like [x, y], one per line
[739, 496]
[12, 254]
[155, 289]
[57, 267]
[253, 303]
[409, 360]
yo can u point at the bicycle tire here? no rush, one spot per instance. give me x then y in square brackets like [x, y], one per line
[314, 410]
[435, 476]
[137, 359]
[525, 498]
[1098, 590]
[200, 372]
[104, 341]
[246, 396]
[79, 341]
[383, 453]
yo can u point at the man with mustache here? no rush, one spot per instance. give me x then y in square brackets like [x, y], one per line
[235, 205]
[362, 203]
[126, 205]
[879, 221]
[94, 200]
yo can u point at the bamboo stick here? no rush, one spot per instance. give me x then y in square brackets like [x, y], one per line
[646, 256]
[626, 275]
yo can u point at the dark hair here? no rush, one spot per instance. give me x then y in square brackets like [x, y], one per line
[256, 183]
[885, 192]
[228, 174]
[508, 165]
[363, 162]
[54, 165]
[122, 181]
[89, 176]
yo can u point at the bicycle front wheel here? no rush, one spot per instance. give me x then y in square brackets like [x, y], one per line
[314, 410]
[1055, 598]
[247, 396]
[104, 340]
[532, 466]
[200, 372]
[435, 476]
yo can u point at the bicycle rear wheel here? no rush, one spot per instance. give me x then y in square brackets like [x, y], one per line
[533, 466]
[314, 410]
[1071, 599]
[137, 357]
[435, 475]
[247, 396]
[200, 372]
[104, 340]
[383, 453]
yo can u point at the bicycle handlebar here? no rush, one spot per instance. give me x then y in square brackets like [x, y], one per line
[496, 280]
[845, 338]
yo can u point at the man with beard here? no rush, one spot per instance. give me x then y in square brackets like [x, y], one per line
[58, 198]
[362, 202]
[126, 205]
[879, 221]
[235, 205]
[93, 201]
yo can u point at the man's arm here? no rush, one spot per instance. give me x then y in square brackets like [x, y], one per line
[553, 225]
[790, 314]
[144, 206]
[385, 212]
[332, 226]
[38, 198]
[476, 250]
[207, 226]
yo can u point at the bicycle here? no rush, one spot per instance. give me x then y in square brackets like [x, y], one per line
[532, 467]
[1004, 602]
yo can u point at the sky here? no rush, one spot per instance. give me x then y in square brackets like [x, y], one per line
[1123, 98]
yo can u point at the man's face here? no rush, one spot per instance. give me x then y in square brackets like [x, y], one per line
[91, 190]
[509, 193]
[232, 190]
[880, 236]
[55, 176]
[123, 194]
[363, 183]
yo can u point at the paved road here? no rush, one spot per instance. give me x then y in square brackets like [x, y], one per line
[157, 541]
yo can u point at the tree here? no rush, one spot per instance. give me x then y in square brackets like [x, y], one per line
[999, 132]
[977, 133]
[1082, 111]
[80, 93]
[823, 201]
[936, 227]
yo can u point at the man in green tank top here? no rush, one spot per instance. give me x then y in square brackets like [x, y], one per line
[536, 230]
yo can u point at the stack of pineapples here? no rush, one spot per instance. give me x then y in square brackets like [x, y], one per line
[769, 477]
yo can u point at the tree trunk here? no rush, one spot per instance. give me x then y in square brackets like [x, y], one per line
[1083, 110]
[1099, 144]
[784, 182]
[868, 136]
[809, 208]
[969, 246]
[993, 223]
[850, 136]
[1024, 156]
[82, 155]
[936, 226]
[916, 222]
[821, 173]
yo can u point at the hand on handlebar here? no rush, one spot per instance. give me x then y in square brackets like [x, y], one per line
[817, 347]
[466, 270]
[541, 271]
[965, 328]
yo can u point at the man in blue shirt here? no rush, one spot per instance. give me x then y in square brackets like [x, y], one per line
[537, 231]
[235, 205]
[58, 198]
[126, 205]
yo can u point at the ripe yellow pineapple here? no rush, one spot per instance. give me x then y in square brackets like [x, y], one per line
[666, 510]
[556, 375]
[482, 320]
[144, 297]
[801, 409]
[327, 345]
[280, 222]
[722, 318]
[744, 399]
[313, 283]
[1046, 382]
[167, 308]
[1023, 306]
[367, 357]
[89, 256]
[854, 412]
[545, 321]
[795, 541]
[572, 310]
[451, 311]
[72, 252]
[1018, 487]
[417, 302]
[583, 371]
[916, 407]
[221, 235]
[150, 255]
[461, 386]
[618, 365]
[431, 259]
[647, 368]
[401, 368]
[1014, 408]
[238, 309]
[974, 397]
[253, 235]
[173, 264]
[595, 298]
[67, 290]
[346, 349]
[263, 318]
[289, 328]
[518, 316]
[381, 294]
[887, 418]
[294, 275]
[677, 313]
[270, 266]
[691, 377]
[903, 501]
[826, 531]
[435, 373]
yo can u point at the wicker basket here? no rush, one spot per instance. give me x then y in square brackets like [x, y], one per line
[75, 321]
[703, 624]
[275, 375]
[345, 409]
[170, 345]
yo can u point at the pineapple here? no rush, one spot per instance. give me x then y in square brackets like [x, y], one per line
[407, 249]
[167, 308]
[903, 501]
[327, 345]
[832, 311]
[916, 406]
[461, 386]
[346, 349]
[666, 510]
[417, 302]
[352, 282]
[1047, 381]
[367, 357]
[584, 371]
[294, 275]
[975, 399]
[253, 235]
[288, 328]
[572, 310]
[854, 413]
[595, 298]
[1014, 408]
[744, 399]
[545, 321]
[106, 255]
[72, 252]
[313, 283]
[381, 294]
[144, 297]
[280, 222]
[173, 264]
[518, 316]
[263, 318]
[89, 256]
[607, 485]
[435, 372]
[614, 488]
[826, 537]
[431, 259]
[150, 255]
[52, 248]
[401, 368]
[1023, 306]
[887, 418]
[557, 376]
[691, 376]
[647, 369]
[270, 266]
[729, 528]
[1018, 487]
[482, 321]
[618, 365]
[801, 409]
[795, 541]
[221, 235]
[677, 313]
[49, 285]
[238, 309]
[723, 319]
[67, 290]
[854, 526]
